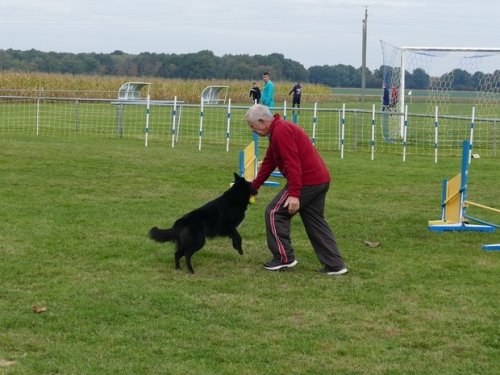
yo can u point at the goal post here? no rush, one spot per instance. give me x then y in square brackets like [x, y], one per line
[441, 77]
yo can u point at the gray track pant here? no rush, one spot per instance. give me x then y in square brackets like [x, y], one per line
[312, 207]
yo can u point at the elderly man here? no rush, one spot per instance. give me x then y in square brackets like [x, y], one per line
[308, 180]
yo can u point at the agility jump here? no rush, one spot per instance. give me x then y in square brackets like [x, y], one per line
[249, 162]
[454, 216]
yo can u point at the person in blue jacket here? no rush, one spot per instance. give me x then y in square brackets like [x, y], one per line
[267, 98]
[385, 99]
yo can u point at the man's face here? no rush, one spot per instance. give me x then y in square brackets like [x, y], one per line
[261, 127]
[265, 77]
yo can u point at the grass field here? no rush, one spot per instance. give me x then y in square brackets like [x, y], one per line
[75, 213]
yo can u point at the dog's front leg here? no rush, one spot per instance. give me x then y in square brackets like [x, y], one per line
[235, 236]
[178, 256]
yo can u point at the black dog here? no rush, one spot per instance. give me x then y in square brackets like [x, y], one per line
[219, 217]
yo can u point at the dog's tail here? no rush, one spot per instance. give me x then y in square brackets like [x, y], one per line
[162, 235]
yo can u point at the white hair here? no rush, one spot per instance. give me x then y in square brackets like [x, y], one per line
[258, 112]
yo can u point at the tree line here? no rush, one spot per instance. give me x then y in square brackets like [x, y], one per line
[205, 65]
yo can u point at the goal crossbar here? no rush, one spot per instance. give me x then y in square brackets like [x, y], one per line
[445, 49]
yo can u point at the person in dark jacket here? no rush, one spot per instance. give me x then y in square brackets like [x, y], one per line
[255, 93]
[297, 93]
[307, 182]
[385, 99]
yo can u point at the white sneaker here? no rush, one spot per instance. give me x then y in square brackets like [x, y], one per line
[328, 271]
[275, 265]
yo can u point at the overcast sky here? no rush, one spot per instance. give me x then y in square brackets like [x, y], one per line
[312, 32]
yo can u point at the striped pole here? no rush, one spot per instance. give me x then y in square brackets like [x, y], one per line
[174, 120]
[464, 176]
[471, 138]
[228, 124]
[315, 121]
[200, 132]
[436, 125]
[372, 142]
[146, 130]
[405, 131]
[342, 133]
[37, 116]
[256, 151]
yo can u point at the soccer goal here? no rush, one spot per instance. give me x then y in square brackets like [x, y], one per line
[445, 79]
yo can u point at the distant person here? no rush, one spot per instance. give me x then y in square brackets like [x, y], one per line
[255, 93]
[297, 93]
[268, 91]
[394, 96]
[385, 99]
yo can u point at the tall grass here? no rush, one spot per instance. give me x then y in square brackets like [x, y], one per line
[75, 215]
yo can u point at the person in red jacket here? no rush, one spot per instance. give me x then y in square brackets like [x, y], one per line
[308, 180]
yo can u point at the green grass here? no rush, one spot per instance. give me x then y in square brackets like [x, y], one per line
[75, 215]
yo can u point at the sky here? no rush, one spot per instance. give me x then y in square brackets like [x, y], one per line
[311, 32]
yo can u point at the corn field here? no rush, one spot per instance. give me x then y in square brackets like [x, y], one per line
[67, 85]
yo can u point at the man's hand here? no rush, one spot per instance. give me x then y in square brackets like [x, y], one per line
[293, 205]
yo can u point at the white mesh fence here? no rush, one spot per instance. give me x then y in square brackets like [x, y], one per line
[225, 126]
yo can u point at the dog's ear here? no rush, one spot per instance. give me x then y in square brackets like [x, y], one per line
[236, 177]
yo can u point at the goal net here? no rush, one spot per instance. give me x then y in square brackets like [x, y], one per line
[453, 80]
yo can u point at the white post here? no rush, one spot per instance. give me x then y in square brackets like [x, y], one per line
[436, 125]
[342, 133]
[315, 121]
[284, 110]
[200, 132]
[401, 89]
[405, 131]
[174, 117]
[146, 130]
[228, 124]
[372, 142]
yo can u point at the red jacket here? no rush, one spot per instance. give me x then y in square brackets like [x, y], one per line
[292, 152]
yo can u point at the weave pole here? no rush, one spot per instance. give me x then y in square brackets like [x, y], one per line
[342, 132]
[471, 137]
[146, 130]
[228, 124]
[372, 141]
[174, 121]
[200, 131]
[436, 125]
[37, 116]
[315, 122]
